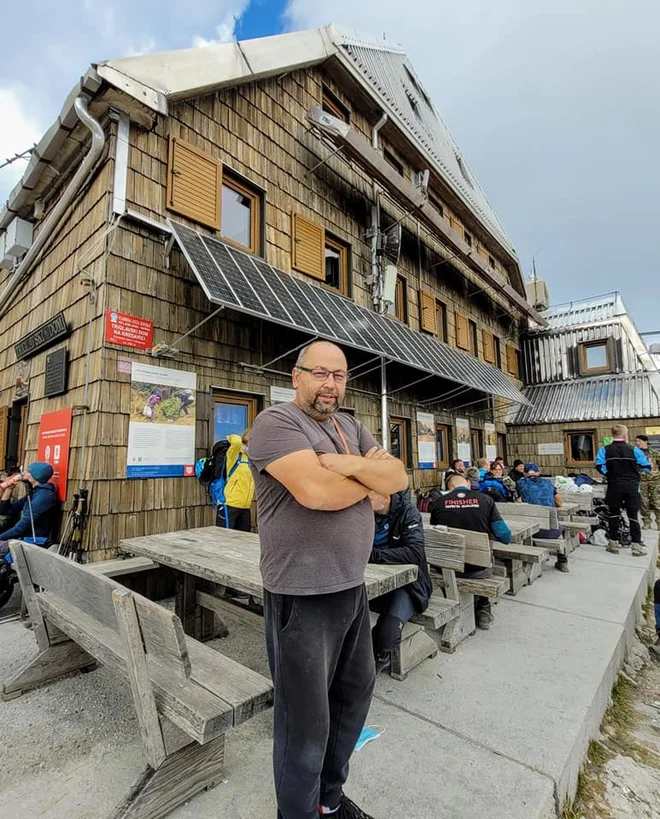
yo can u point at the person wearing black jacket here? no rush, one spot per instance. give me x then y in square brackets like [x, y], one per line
[398, 538]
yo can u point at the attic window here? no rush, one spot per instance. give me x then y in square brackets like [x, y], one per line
[334, 106]
[595, 358]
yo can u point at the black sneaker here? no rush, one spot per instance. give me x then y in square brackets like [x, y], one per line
[349, 810]
[383, 661]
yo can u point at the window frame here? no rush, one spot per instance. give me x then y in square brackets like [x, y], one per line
[568, 449]
[435, 202]
[443, 430]
[394, 160]
[406, 449]
[401, 314]
[441, 321]
[585, 346]
[467, 238]
[238, 184]
[332, 105]
[218, 396]
[344, 250]
[474, 337]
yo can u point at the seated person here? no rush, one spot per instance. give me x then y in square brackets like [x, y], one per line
[499, 488]
[457, 468]
[483, 465]
[472, 474]
[464, 508]
[44, 506]
[518, 471]
[542, 492]
[398, 538]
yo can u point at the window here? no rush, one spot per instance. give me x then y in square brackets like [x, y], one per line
[194, 181]
[491, 262]
[334, 106]
[468, 238]
[477, 443]
[399, 440]
[436, 203]
[462, 332]
[240, 220]
[580, 447]
[232, 414]
[401, 299]
[14, 441]
[498, 352]
[443, 438]
[427, 312]
[441, 321]
[336, 264]
[392, 159]
[474, 338]
[595, 357]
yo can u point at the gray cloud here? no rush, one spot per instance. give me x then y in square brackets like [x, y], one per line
[554, 104]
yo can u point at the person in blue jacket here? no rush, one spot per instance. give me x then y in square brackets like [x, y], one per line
[535, 489]
[41, 511]
[494, 484]
[623, 464]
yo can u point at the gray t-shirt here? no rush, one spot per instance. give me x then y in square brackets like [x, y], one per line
[304, 551]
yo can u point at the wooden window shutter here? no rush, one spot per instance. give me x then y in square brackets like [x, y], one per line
[512, 360]
[4, 422]
[428, 320]
[489, 346]
[194, 184]
[456, 225]
[307, 247]
[483, 253]
[462, 332]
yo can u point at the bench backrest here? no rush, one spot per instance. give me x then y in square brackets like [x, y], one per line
[444, 550]
[92, 594]
[477, 549]
[546, 516]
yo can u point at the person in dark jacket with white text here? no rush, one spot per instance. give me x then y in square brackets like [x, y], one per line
[398, 538]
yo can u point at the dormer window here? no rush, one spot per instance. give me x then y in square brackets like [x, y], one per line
[595, 358]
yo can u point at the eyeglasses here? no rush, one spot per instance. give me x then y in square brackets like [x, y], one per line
[340, 376]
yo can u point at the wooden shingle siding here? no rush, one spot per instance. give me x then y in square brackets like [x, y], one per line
[194, 183]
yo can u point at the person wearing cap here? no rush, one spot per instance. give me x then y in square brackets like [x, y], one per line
[41, 512]
[518, 471]
[542, 492]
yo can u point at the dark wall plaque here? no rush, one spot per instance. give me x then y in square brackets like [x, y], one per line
[57, 366]
[44, 336]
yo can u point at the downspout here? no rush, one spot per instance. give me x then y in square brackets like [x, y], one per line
[377, 280]
[51, 223]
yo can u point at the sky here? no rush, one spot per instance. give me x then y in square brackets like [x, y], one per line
[554, 103]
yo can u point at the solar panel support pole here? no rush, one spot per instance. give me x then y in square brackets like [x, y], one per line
[385, 422]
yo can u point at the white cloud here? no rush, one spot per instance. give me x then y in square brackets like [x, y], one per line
[226, 30]
[20, 131]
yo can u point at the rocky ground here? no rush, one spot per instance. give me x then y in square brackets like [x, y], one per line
[622, 776]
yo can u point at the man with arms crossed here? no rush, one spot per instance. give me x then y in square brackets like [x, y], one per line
[314, 470]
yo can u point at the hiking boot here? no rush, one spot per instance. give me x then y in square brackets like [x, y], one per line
[613, 547]
[638, 550]
[483, 619]
[562, 566]
[347, 810]
[383, 661]
[646, 524]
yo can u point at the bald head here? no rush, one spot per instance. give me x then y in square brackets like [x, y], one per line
[320, 377]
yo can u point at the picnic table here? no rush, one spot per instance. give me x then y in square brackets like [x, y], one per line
[521, 530]
[210, 556]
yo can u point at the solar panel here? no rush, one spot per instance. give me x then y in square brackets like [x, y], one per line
[237, 279]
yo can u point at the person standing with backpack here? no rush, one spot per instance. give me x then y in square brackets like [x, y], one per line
[235, 512]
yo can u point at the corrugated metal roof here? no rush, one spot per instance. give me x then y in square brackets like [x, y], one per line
[585, 311]
[603, 398]
[383, 68]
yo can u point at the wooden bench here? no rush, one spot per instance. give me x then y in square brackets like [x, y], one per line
[523, 563]
[121, 566]
[186, 695]
[449, 617]
[546, 517]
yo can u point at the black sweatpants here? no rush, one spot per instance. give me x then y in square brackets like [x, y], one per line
[478, 573]
[624, 496]
[322, 665]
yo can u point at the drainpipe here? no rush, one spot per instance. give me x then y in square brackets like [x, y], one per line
[377, 280]
[51, 223]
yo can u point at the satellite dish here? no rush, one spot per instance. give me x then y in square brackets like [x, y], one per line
[389, 243]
